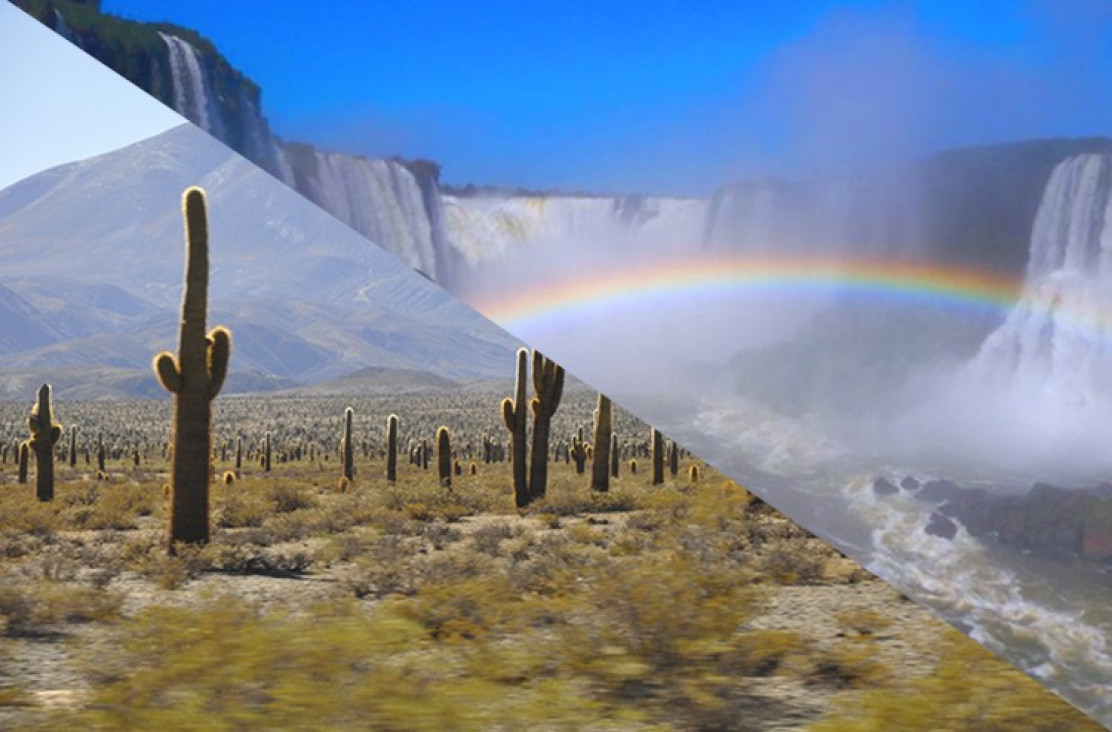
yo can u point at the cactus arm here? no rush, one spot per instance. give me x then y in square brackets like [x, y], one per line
[168, 373]
[220, 348]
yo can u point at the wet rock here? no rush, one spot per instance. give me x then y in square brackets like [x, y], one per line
[1096, 543]
[939, 491]
[910, 484]
[884, 487]
[941, 526]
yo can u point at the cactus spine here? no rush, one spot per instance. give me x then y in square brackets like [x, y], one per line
[194, 378]
[600, 465]
[513, 414]
[346, 446]
[45, 434]
[658, 457]
[548, 383]
[444, 456]
[392, 448]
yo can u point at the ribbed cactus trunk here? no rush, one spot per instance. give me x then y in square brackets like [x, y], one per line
[346, 446]
[600, 467]
[615, 458]
[674, 459]
[513, 415]
[73, 447]
[444, 456]
[24, 459]
[658, 457]
[194, 378]
[548, 383]
[45, 434]
[239, 454]
[392, 448]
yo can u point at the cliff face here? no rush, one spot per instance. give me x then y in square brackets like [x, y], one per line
[972, 207]
[393, 202]
[175, 65]
[968, 208]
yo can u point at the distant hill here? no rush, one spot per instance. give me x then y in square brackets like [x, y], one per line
[308, 299]
[379, 380]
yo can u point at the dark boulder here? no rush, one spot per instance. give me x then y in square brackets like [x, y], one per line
[940, 526]
[884, 487]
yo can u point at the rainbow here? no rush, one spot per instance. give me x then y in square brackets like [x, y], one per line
[944, 287]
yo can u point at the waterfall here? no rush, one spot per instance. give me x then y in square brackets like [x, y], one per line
[486, 227]
[191, 96]
[1056, 341]
[381, 199]
[837, 218]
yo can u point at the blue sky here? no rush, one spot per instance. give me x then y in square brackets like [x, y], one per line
[665, 96]
[58, 106]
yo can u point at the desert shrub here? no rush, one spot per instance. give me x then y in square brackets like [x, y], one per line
[22, 512]
[254, 559]
[288, 497]
[439, 535]
[575, 499]
[225, 666]
[37, 607]
[464, 609]
[661, 630]
[386, 567]
[239, 509]
[14, 545]
[970, 689]
[789, 563]
[169, 572]
[488, 539]
[846, 665]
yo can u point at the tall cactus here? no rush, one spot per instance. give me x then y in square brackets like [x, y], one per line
[514, 416]
[548, 383]
[346, 446]
[73, 447]
[392, 448]
[658, 457]
[674, 458]
[444, 456]
[615, 457]
[101, 452]
[45, 434]
[600, 467]
[194, 378]
[24, 449]
[266, 452]
[578, 451]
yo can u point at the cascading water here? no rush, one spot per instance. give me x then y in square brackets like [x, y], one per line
[489, 227]
[1055, 342]
[381, 199]
[191, 95]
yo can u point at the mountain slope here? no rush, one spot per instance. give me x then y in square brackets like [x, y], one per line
[307, 298]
